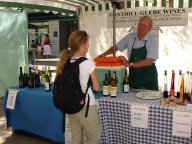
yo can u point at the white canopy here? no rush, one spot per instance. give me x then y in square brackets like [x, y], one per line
[72, 7]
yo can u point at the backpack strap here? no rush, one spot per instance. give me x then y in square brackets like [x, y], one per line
[88, 101]
[80, 60]
[77, 62]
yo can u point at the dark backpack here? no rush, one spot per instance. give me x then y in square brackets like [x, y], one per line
[67, 93]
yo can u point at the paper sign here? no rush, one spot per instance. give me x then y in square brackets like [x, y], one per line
[182, 124]
[11, 98]
[189, 106]
[139, 116]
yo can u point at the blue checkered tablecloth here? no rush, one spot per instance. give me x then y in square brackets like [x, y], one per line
[115, 118]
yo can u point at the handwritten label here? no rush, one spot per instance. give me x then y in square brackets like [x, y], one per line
[139, 116]
[11, 98]
[182, 124]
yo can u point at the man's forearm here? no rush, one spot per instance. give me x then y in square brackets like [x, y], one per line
[109, 51]
[139, 64]
[143, 63]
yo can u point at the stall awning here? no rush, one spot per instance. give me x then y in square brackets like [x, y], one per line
[140, 3]
[72, 7]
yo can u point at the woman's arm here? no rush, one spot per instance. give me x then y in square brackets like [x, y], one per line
[95, 83]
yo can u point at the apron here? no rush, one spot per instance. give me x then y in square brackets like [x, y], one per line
[145, 77]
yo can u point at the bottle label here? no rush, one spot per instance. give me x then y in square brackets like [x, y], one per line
[126, 87]
[21, 83]
[42, 80]
[113, 91]
[31, 84]
[47, 87]
[172, 95]
[105, 90]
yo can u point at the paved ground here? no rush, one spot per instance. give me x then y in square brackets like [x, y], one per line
[9, 137]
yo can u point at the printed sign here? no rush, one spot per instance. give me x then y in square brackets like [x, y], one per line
[11, 98]
[161, 17]
[139, 116]
[182, 124]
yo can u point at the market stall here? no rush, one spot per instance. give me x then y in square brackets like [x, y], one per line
[172, 27]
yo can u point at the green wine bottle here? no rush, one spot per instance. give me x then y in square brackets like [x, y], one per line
[31, 79]
[37, 77]
[47, 82]
[106, 86]
[21, 79]
[125, 83]
[50, 74]
[26, 77]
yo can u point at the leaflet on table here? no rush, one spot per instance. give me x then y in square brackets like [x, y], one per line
[139, 116]
[12, 94]
[182, 124]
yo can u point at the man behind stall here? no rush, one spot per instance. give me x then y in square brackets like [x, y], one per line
[143, 51]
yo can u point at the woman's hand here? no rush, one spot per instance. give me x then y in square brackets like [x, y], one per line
[125, 62]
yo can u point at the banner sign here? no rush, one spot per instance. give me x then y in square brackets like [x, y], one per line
[182, 124]
[161, 17]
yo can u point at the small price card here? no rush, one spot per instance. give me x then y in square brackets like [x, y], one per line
[182, 124]
[189, 106]
[11, 98]
[139, 116]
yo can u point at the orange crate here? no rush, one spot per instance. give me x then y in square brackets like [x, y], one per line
[107, 59]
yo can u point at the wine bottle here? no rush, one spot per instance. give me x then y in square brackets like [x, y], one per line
[37, 77]
[181, 96]
[172, 89]
[109, 79]
[43, 76]
[106, 86]
[47, 82]
[187, 86]
[113, 88]
[179, 84]
[31, 79]
[165, 91]
[191, 87]
[125, 83]
[50, 74]
[116, 80]
[21, 79]
[26, 77]
[109, 76]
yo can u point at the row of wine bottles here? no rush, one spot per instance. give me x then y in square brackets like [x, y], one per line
[183, 94]
[35, 78]
[110, 84]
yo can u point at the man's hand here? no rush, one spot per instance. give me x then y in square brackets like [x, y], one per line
[124, 60]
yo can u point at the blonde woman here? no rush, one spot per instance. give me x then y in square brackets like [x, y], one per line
[81, 126]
